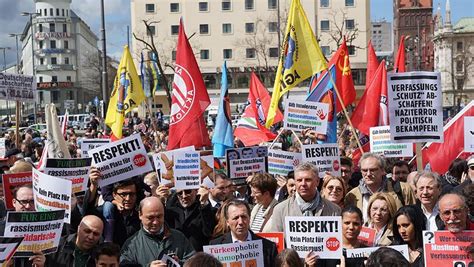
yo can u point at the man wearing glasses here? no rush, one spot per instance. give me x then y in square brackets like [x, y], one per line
[23, 198]
[454, 213]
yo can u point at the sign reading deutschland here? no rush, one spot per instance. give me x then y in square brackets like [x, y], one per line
[17, 87]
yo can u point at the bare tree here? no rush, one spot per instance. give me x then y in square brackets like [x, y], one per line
[93, 66]
[339, 28]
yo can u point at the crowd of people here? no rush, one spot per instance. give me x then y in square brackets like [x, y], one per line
[138, 221]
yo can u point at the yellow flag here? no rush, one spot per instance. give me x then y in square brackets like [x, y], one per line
[300, 58]
[127, 94]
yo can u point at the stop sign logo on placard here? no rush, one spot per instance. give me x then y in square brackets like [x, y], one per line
[333, 244]
[139, 160]
[335, 165]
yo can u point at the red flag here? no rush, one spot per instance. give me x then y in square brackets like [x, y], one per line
[372, 65]
[399, 65]
[367, 112]
[440, 155]
[383, 112]
[189, 99]
[251, 128]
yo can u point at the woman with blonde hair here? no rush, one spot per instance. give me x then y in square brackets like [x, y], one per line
[380, 213]
[334, 190]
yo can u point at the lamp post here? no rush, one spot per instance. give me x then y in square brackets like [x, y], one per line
[32, 15]
[17, 56]
[104, 56]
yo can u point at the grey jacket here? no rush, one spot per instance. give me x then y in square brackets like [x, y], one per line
[266, 215]
[290, 207]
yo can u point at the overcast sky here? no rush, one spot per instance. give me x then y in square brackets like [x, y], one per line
[118, 17]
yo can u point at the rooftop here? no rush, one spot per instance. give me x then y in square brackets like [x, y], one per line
[464, 25]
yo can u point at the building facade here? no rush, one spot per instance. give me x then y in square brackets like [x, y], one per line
[65, 55]
[382, 40]
[454, 59]
[244, 33]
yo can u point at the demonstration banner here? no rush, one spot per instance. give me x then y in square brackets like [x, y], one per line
[207, 168]
[164, 162]
[415, 106]
[52, 193]
[121, 160]
[3, 149]
[365, 252]
[8, 247]
[443, 248]
[367, 236]
[469, 134]
[41, 230]
[300, 115]
[243, 254]
[187, 171]
[277, 237]
[10, 182]
[321, 235]
[282, 162]
[75, 170]
[324, 156]
[17, 87]
[380, 143]
[89, 144]
[246, 161]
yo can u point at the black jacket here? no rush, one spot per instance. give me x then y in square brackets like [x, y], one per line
[65, 254]
[269, 248]
[197, 226]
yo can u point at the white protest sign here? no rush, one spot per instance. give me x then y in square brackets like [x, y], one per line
[17, 87]
[187, 172]
[246, 161]
[324, 156]
[248, 253]
[381, 144]
[3, 149]
[8, 246]
[41, 230]
[88, 144]
[415, 107]
[282, 162]
[469, 134]
[207, 170]
[170, 262]
[52, 193]
[76, 170]
[321, 235]
[120, 160]
[365, 252]
[164, 162]
[300, 115]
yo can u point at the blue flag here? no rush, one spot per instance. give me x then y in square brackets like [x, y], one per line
[155, 73]
[223, 137]
[322, 90]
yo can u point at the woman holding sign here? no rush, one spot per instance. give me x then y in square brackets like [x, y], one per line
[408, 226]
[382, 208]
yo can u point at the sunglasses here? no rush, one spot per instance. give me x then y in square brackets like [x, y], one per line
[186, 192]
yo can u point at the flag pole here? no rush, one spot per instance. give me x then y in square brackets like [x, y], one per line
[347, 116]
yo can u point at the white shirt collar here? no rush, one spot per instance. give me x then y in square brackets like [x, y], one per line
[235, 240]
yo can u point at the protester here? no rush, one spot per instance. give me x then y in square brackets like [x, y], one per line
[151, 180]
[202, 259]
[288, 258]
[381, 209]
[107, 255]
[411, 180]
[452, 178]
[155, 238]
[334, 190]
[221, 226]
[263, 187]
[222, 191]
[428, 189]
[346, 171]
[78, 249]
[454, 213]
[387, 257]
[400, 171]
[237, 216]
[23, 198]
[408, 227]
[351, 227]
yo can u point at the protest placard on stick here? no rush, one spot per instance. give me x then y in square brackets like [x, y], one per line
[186, 168]
[248, 253]
[300, 115]
[469, 134]
[443, 248]
[282, 162]
[164, 162]
[89, 144]
[11, 181]
[365, 252]
[324, 156]
[246, 161]
[380, 143]
[8, 247]
[75, 170]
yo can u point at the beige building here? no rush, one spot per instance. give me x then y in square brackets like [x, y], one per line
[242, 32]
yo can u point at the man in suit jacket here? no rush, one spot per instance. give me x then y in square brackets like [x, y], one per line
[237, 215]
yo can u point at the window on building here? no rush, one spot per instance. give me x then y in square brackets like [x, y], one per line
[68, 78]
[51, 12]
[204, 54]
[210, 81]
[250, 53]
[227, 53]
[64, 27]
[150, 8]
[249, 27]
[40, 27]
[54, 61]
[272, 4]
[351, 49]
[67, 12]
[71, 94]
[459, 65]
[174, 29]
[46, 12]
[249, 5]
[66, 44]
[40, 44]
[203, 6]
[459, 46]
[226, 5]
[57, 12]
[350, 24]
[226, 28]
[326, 50]
[324, 25]
[324, 3]
[63, 12]
[55, 96]
[40, 12]
[52, 27]
[151, 31]
[350, 2]
[41, 79]
[66, 61]
[204, 28]
[459, 84]
[273, 52]
[174, 7]
[52, 44]
[273, 26]
[173, 55]
[41, 61]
